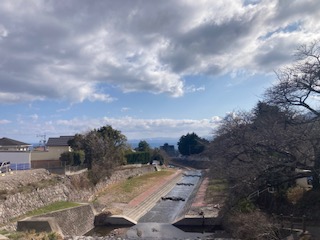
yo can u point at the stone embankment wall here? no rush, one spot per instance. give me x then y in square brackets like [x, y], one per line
[17, 204]
[74, 221]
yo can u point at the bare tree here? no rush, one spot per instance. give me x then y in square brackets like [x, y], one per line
[299, 84]
[298, 88]
[259, 149]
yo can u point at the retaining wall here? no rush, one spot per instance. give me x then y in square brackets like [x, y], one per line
[74, 221]
[71, 221]
[18, 204]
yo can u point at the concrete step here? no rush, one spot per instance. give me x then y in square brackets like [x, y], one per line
[146, 205]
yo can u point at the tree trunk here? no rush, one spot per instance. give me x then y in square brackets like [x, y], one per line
[315, 175]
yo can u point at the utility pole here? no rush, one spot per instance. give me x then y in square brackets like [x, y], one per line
[43, 140]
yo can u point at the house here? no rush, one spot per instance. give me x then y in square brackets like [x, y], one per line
[7, 144]
[16, 152]
[50, 158]
[59, 144]
[169, 149]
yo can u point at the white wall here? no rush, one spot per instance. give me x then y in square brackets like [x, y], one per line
[18, 160]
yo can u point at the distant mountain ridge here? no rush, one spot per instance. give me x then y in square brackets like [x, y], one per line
[154, 142]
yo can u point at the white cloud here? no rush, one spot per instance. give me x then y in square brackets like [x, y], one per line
[192, 88]
[4, 121]
[3, 32]
[135, 128]
[72, 49]
[34, 117]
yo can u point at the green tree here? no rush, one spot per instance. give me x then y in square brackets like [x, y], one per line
[66, 158]
[143, 146]
[78, 157]
[74, 158]
[138, 157]
[103, 148]
[76, 143]
[191, 144]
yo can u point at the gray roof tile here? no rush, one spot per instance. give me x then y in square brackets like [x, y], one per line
[60, 141]
[11, 142]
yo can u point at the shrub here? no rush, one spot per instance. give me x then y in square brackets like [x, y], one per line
[138, 157]
[245, 206]
[251, 225]
[3, 194]
[294, 194]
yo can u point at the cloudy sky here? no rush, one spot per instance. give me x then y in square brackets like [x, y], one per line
[148, 68]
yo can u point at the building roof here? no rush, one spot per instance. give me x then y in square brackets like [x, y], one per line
[10, 142]
[60, 141]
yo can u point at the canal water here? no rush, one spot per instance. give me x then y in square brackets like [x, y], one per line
[167, 211]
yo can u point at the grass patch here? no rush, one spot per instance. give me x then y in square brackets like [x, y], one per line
[134, 183]
[29, 187]
[216, 189]
[125, 191]
[51, 208]
[43, 210]
[45, 183]
[217, 185]
[31, 235]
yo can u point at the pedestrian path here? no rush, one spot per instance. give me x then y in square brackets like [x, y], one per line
[146, 201]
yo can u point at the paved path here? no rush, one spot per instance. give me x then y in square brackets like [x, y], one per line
[199, 200]
[148, 199]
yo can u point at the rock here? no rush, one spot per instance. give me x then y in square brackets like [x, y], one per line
[3, 237]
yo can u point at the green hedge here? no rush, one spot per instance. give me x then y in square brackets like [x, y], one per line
[138, 157]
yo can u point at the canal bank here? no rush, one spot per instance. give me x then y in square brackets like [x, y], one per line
[169, 207]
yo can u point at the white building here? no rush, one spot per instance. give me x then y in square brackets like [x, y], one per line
[16, 152]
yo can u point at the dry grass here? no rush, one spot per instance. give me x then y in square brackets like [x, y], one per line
[294, 194]
[31, 235]
[127, 190]
[216, 190]
[250, 226]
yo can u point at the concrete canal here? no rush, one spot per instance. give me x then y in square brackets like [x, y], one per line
[176, 202]
[162, 221]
